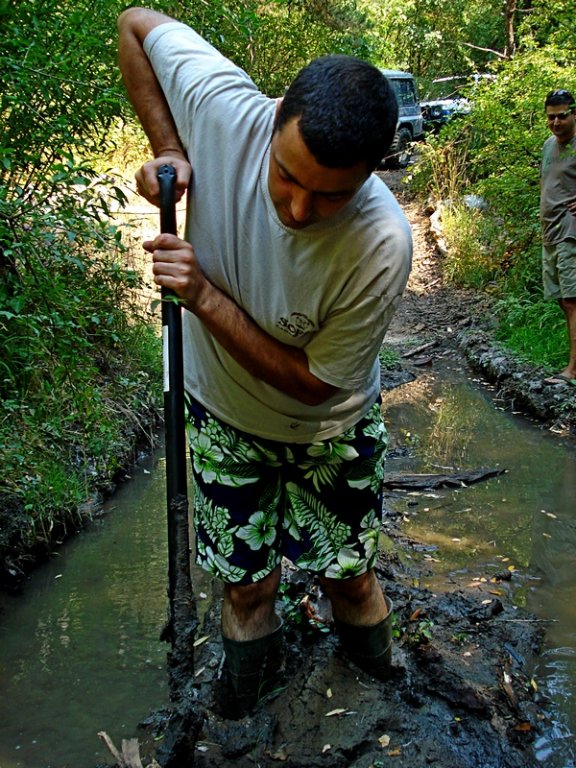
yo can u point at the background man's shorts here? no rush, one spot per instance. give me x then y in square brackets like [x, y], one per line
[559, 270]
[255, 500]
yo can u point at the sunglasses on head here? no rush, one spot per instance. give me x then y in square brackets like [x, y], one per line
[561, 93]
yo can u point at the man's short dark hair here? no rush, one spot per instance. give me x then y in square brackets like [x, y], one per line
[346, 109]
[558, 97]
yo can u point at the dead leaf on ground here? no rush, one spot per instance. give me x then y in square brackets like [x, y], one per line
[279, 754]
[523, 727]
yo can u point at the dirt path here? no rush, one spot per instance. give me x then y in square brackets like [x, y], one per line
[460, 696]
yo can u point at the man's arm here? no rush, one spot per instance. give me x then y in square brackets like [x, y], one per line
[280, 365]
[175, 266]
[147, 97]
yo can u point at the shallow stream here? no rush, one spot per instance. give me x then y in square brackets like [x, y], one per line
[80, 650]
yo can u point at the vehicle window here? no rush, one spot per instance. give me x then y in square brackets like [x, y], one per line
[405, 93]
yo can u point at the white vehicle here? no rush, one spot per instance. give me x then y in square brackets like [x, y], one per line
[449, 97]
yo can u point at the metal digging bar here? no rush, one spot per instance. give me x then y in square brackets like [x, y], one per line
[182, 620]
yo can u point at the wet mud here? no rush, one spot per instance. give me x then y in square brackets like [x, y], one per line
[461, 692]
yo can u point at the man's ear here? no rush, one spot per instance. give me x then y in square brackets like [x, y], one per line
[277, 110]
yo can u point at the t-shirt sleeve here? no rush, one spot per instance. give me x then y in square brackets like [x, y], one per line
[343, 351]
[192, 72]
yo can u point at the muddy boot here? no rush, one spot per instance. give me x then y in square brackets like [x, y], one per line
[252, 669]
[370, 648]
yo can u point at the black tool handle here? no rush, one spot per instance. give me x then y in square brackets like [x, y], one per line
[173, 362]
[182, 612]
[167, 181]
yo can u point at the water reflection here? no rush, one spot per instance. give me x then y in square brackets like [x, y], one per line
[523, 520]
[80, 651]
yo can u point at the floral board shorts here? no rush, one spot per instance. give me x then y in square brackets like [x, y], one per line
[257, 500]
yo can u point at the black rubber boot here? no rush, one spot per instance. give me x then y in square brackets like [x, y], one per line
[253, 668]
[370, 648]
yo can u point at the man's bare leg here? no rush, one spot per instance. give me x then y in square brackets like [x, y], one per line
[363, 622]
[358, 601]
[569, 309]
[248, 610]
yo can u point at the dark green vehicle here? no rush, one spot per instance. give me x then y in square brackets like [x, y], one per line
[410, 126]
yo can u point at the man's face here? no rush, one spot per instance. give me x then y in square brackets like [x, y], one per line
[302, 190]
[561, 121]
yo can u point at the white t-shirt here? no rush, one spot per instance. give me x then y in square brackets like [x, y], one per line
[330, 288]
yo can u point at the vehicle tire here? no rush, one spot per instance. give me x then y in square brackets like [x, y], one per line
[399, 153]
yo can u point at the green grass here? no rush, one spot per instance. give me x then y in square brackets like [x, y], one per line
[534, 329]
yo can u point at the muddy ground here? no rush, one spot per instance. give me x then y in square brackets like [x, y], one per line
[461, 695]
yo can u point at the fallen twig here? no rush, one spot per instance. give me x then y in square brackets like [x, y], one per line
[130, 756]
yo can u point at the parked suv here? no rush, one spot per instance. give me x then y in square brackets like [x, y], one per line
[410, 126]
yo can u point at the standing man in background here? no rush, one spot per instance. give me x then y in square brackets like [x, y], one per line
[558, 217]
[295, 258]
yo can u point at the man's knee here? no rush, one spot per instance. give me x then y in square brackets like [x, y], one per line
[356, 588]
[249, 598]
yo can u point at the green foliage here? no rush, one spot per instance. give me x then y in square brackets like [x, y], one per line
[80, 363]
[534, 329]
[475, 246]
[389, 358]
[442, 168]
[434, 39]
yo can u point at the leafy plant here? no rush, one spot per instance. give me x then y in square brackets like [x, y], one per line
[389, 358]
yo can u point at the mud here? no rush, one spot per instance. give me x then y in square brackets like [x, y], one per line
[461, 693]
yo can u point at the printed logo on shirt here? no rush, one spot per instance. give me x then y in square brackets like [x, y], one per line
[296, 325]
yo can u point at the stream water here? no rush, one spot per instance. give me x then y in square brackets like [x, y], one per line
[523, 521]
[80, 649]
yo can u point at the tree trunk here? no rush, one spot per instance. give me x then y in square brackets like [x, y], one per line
[510, 9]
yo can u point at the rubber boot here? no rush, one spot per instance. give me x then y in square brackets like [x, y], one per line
[370, 648]
[252, 668]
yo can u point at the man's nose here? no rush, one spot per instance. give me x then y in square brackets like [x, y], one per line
[301, 205]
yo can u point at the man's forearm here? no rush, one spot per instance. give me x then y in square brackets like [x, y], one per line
[142, 86]
[280, 365]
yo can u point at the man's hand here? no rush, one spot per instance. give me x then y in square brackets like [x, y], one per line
[147, 177]
[176, 268]
[572, 207]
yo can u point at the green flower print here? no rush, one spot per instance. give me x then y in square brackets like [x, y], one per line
[215, 521]
[349, 564]
[328, 534]
[370, 535]
[326, 458]
[274, 560]
[370, 473]
[260, 530]
[216, 564]
[221, 455]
